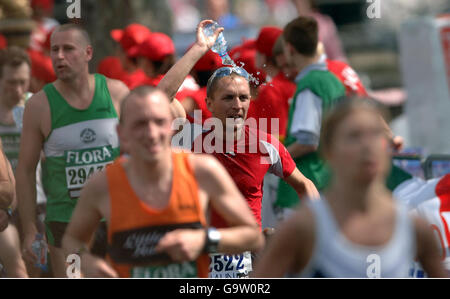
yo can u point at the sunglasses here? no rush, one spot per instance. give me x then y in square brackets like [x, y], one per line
[227, 71]
[224, 72]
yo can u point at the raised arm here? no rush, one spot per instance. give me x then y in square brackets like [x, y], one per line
[31, 143]
[176, 75]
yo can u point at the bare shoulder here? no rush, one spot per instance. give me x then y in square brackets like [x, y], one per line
[204, 165]
[37, 115]
[38, 103]
[117, 89]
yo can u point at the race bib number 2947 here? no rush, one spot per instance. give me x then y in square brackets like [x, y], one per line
[82, 164]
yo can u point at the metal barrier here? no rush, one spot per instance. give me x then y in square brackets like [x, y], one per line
[436, 165]
[433, 166]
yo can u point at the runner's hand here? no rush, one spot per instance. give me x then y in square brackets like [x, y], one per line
[206, 41]
[183, 244]
[27, 251]
[95, 267]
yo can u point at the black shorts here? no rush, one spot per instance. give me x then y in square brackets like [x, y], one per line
[55, 233]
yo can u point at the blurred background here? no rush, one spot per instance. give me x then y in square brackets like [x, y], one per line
[401, 54]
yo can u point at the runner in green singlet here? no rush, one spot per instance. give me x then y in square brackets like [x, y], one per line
[73, 120]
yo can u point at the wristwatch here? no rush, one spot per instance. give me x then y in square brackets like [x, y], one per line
[212, 240]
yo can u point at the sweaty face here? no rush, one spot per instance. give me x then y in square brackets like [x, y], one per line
[14, 83]
[230, 100]
[146, 128]
[70, 54]
[359, 150]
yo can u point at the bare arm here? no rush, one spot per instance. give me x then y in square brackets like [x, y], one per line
[172, 81]
[303, 186]
[85, 220]
[297, 150]
[427, 250]
[118, 91]
[7, 182]
[290, 249]
[30, 149]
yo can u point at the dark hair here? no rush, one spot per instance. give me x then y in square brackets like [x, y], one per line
[202, 77]
[302, 34]
[76, 27]
[163, 66]
[13, 57]
[344, 107]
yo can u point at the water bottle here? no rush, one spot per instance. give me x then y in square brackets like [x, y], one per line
[220, 46]
[39, 248]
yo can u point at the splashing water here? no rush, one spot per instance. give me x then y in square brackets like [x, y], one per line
[220, 47]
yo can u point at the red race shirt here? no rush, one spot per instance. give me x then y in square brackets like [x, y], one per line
[273, 102]
[348, 77]
[247, 162]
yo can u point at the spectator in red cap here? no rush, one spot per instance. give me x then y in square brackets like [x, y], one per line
[129, 40]
[244, 56]
[273, 98]
[42, 15]
[155, 56]
[42, 71]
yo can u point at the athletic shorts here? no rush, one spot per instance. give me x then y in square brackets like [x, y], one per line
[55, 233]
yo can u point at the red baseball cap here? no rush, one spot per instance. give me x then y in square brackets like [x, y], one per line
[130, 37]
[266, 39]
[209, 62]
[157, 46]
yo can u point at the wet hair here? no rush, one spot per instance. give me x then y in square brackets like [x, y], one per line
[303, 34]
[344, 107]
[67, 27]
[221, 73]
[13, 57]
[140, 92]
